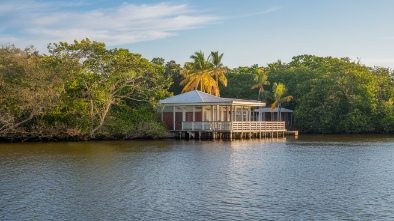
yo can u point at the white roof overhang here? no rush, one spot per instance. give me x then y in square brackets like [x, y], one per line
[195, 98]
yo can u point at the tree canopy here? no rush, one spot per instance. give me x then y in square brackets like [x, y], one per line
[332, 95]
[199, 73]
[82, 90]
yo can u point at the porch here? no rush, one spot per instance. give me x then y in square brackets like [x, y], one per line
[233, 126]
[230, 129]
[197, 114]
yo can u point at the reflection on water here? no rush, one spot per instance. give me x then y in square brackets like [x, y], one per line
[312, 178]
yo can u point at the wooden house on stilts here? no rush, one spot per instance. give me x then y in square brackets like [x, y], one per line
[196, 114]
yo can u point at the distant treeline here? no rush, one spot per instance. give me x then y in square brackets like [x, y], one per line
[82, 91]
[330, 95]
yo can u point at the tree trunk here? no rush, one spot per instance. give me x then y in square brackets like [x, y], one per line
[91, 118]
[217, 83]
[102, 117]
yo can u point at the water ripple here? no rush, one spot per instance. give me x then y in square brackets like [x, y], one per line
[198, 180]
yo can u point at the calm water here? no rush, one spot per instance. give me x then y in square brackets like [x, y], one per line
[313, 178]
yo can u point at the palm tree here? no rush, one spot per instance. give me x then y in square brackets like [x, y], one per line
[191, 79]
[198, 73]
[218, 69]
[260, 80]
[279, 89]
[199, 61]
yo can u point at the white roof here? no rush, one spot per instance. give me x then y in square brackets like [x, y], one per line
[193, 97]
[198, 97]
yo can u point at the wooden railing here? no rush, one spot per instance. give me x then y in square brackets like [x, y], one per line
[235, 126]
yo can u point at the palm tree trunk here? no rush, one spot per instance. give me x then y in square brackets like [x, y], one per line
[196, 87]
[217, 83]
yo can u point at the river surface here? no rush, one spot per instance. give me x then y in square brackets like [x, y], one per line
[312, 178]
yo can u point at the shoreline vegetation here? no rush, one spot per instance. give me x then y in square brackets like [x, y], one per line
[83, 91]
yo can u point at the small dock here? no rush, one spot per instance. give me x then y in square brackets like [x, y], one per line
[232, 130]
[233, 135]
[293, 133]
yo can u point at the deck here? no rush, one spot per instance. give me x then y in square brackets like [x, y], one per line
[230, 130]
[233, 126]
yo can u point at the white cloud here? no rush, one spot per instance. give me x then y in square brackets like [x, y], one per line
[267, 11]
[40, 23]
[26, 6]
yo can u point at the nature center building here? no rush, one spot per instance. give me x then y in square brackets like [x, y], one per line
[198, 114]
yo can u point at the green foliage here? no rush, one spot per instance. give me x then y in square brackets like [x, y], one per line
[218, 69]
[240, 81]
[107, 78]
[329, 95]
[260, 79]
[82, 89]
[173, 70]
[137, 120]
[200, 73]
[387, 119]
[28, 89]
[332, 95]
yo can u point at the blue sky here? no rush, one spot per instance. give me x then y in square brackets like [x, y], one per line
[247, 31]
